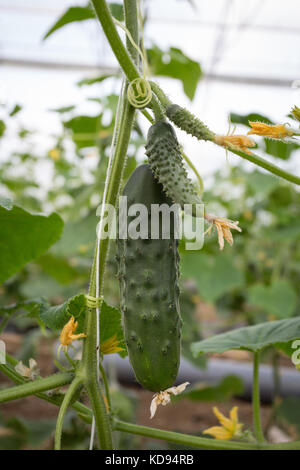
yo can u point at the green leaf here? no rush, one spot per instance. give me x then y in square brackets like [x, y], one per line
[229, 387]
[214, 275]
[59, 268]
[91, 81]
[75, 14]
[15, 110]
[71, 15]
[280, 149]
[278, 299]
[85, 130]
[251, 338]
[24, 237]
[6, 203]
[56, 317]
[174, 63]
[64, 109]
[245, 118]
[262, 183]
[2, 127]
[110, 325]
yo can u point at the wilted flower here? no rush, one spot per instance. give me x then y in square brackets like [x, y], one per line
[163, 398]
[278, 131]
[223, 227]
[230, 427]
[236, 142]
[30, 372]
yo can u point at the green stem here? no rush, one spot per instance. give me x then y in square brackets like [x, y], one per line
[63, 409]
[199, 442]
[256, 400]
[113, 182]
[114, 39]
[105, 381]
[39, 385]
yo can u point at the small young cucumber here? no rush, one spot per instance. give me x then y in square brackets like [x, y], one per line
[166, 162]
[148, 275]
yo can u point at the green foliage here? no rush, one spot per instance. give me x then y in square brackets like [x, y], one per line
[24, 237]
[174, 63]
[111, 325]
[278, 299]
[214, 275]
[56, 317]
[75, 14]
[251, 338]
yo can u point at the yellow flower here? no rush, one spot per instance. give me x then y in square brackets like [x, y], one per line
[230, 427]
[67, 333]
[236, 142]
[164, 397]
[223, 227]
[54, 154]
[110, 346]
[278, 131]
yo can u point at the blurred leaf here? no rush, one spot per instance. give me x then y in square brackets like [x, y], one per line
[24, 237]
[71, 15]
[59, 268]
[85, 130]
[250, 338]
[280, 149]
[91, 81]
[15, 110]
[278, 299]
[77, 238]
[214, 275]
[174, 63]
[288, 411]
[75, 14]
[2, 127]
[229, 387]
[262, 183]
[64, 109]
[245, 118]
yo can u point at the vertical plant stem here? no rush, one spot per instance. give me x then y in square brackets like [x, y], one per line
[256, 400]
[124, 122]
[63, 409]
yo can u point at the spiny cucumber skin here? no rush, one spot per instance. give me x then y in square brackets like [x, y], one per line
[148, 276]
[163, 152]
[186, 121]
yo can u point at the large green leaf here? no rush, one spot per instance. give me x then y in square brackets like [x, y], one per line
[75, 14]
[245, 118]
[24, 237]
[59, 268]
[56, 317]
[174, 63]
[279, 299]
[85, 130]
[214, 275]
[251, 338]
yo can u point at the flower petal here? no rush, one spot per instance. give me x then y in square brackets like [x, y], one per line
[219, 433]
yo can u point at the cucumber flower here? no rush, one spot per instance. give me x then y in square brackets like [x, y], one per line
[163, 398]
[110, 346]
[278, 131]
[67, 333]
[230, 427]
[235, 142]
[223, 227]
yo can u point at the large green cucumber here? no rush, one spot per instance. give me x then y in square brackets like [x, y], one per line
[148, 275]
[163, 152]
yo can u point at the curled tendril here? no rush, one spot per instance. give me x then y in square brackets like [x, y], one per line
[139, 93]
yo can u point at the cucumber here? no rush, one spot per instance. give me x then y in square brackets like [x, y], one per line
[148, 276]
[189, 123]
[163, 152]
